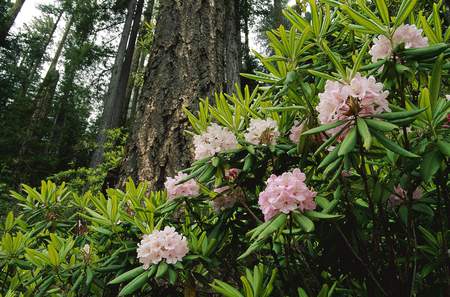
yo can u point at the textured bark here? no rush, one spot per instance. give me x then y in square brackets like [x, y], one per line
[9, 20]
[114, 102]
[188, 60]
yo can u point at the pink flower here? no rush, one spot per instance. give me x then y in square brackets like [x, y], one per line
[362, 97]
[286, 193]
[166, 244]
[232, 173]
[216, 139]
[408, 35]
[174, 190]
[296, 132]
[381, 49]
[400, 196]
[263, 132]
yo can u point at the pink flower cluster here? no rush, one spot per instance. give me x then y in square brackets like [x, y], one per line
[400, 196]
[263, 132]
[286, 193]
[408, 35]
[166, 244]
[174, 190]
[214, 140]
[296, 132]
[227, 198]
[363, 96]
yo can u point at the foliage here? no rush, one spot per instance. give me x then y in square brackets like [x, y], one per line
[380, 221]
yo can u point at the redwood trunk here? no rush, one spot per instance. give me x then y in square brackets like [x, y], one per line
[190, 58]
[9, 20]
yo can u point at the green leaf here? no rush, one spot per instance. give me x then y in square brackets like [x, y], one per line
[430, 165]
[405, 9]
[162, 269]
[135, 284]
[383, 10]
[303, 221]
[321, 216]
[393, 146]
[323, 128]
[424, 102]
[334, 58]
[225, 289]
[127, 275]
[399, 115]
[444, 147]
[435, 80]
[363, 21]
[333, 155]
[423, 208]
[364, 132]
[349, 143]
[380, 125]
[277, 223]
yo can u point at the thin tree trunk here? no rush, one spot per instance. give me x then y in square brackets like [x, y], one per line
[232, 41]
[9, 20]
[113, 107]
[137, 66]
[126, 70]
[44, 96]
[277, 13]
[32, 73]
[187, 61]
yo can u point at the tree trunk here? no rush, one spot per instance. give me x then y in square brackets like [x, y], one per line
[9, 20]
[137, 65]
[113, 108]
[44, 96]
[277, 13]
[187, 61]
[232, 41]
[35, 64]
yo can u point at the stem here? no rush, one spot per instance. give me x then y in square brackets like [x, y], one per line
[360, 260]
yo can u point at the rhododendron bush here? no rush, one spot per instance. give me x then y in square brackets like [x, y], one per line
[328, 179]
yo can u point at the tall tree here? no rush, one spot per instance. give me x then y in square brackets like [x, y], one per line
[115, 103]
[187, 61]
[9, 19]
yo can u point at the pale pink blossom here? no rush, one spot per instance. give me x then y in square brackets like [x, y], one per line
[263, 132]
[400, 196]
[188, 188]
[447, 97]
[216, 139]
[381, 49]
[296, 132]
[286, 193]
[362, 96]
[165, 245]
[409, 35]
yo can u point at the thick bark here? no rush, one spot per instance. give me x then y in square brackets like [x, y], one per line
[9, 20]
[187, 61]
[115, 106]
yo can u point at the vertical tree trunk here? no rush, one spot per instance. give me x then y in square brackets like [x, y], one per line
[187, 61]
[44, 96]
[33, 72]
[232, 44]
[114, 103]
[277, 13]
[9, 20]
[137, 65]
